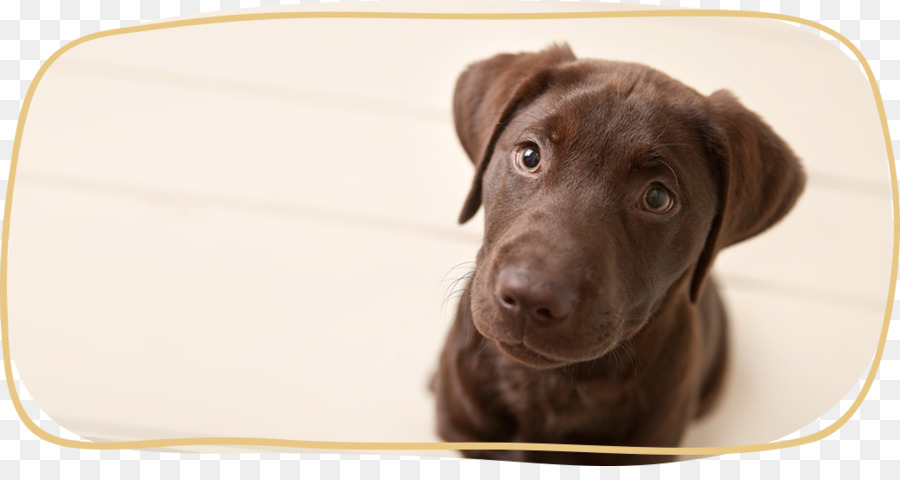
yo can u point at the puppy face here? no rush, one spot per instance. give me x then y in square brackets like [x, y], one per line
[597, 201]
[608, 188]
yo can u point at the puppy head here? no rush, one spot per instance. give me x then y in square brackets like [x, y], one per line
[608, 188]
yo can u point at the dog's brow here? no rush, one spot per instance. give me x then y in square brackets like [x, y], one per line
[655, 157]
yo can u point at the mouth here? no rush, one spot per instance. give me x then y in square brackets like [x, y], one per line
[529, 357]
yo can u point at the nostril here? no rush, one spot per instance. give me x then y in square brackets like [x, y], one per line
[526, 296]
[508, 301]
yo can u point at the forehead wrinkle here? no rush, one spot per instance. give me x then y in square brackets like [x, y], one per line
[607, 120]
[574, 114]
[602, 122]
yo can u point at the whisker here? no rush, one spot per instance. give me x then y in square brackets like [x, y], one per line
[670, 169]
[454, 291]
[616, 358]
[454, 268]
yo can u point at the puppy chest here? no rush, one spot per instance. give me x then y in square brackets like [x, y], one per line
[564, 408]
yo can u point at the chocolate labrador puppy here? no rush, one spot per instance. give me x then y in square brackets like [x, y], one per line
[608, 189]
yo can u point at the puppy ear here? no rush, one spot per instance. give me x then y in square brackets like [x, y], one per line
[759, 179]
[487, 94]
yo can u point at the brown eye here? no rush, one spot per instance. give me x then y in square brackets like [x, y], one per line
[528, 158]
[657, 200]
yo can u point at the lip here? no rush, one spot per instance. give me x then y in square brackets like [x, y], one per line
[529, 357]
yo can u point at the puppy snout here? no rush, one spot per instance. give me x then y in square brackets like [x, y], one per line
[526, 296]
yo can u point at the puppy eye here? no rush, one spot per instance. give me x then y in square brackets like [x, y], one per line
[657, 200]
[528, 158]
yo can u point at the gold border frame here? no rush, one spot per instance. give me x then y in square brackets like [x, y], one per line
[266, 442]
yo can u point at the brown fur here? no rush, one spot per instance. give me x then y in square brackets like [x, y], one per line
[589, 319]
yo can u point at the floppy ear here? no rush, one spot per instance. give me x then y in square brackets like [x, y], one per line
[759, 179]
[487, 94]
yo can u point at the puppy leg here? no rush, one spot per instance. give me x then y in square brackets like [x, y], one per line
[713, 311]
[468, 407]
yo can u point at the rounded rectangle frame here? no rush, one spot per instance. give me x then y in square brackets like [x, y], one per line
[266, 442]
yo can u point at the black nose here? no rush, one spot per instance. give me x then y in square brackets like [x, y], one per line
[527, 296]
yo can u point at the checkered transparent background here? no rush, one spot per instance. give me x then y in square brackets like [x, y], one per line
[867, 447]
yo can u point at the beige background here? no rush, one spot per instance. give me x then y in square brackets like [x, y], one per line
[247, 229]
